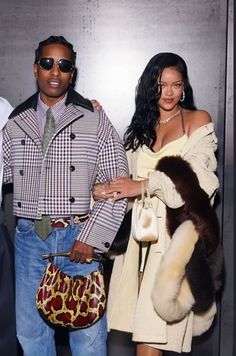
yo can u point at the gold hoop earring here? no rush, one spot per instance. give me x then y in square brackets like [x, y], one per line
[182, 96]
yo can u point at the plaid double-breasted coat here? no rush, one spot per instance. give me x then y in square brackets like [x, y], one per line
[84, 149]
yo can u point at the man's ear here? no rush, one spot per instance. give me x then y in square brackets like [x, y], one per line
[36, 71]
[72, 76]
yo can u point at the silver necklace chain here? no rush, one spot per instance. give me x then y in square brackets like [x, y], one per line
[169, 118]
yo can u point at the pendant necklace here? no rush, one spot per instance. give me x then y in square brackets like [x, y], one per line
[169, 118]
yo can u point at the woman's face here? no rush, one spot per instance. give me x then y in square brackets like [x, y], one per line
[171, 85]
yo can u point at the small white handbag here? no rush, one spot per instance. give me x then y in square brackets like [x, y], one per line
[144, 220]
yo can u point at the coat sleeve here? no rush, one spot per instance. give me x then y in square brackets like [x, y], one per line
[106, 216]
[201, 156]
[7, 170]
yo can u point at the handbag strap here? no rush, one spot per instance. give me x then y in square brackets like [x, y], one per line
[144, 185]
[142, 191]
[50, 256]
[146, 255]
[96, 257]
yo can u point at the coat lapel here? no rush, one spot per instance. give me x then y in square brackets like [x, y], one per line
[25, 115]
[197, 135]
[71, 113]
[27, 121]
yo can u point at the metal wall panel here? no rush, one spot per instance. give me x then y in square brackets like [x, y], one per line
[114, 41]
[228, 296]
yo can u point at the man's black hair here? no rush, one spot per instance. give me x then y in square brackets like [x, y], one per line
[54, 40]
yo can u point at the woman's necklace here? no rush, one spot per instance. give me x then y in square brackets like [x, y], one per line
[169, 118]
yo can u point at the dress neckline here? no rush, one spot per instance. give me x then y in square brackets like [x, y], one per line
[166, 145]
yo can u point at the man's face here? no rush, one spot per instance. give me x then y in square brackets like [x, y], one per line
[54, 83]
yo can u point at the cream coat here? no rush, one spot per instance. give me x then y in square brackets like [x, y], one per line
[130, 312]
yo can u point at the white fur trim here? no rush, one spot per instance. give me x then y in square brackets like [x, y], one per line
[171, 295]
[203, 321]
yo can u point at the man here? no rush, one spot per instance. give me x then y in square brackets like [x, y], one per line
[52, 191]
[8, 344]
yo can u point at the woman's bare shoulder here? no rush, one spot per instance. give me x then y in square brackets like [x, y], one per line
[195, 119]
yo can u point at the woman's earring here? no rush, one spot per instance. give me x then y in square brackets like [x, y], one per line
[182, 97]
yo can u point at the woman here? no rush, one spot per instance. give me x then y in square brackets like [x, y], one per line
[165, 123]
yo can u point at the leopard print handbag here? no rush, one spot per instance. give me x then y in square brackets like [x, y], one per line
[72, 302]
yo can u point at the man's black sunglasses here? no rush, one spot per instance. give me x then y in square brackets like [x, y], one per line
[65, 66]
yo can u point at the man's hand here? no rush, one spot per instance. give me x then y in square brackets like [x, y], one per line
[81, 252]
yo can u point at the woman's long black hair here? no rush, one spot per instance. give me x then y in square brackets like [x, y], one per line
[142, 127]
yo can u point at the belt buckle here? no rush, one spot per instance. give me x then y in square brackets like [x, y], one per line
[79, 219]
[60, 222]
[64, 222]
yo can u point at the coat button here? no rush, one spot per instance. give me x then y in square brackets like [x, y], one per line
[72, 168]
[23, 142]
[72, 199]
[21, 172]
[19, 204]
[72, 136]
[107, 245]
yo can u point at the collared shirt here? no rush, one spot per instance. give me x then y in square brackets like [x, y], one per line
[42, 109]
[5, 110]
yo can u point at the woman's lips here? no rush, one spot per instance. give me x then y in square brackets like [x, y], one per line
[168, 101]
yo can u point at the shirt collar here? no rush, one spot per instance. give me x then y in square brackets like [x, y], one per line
[57, 109]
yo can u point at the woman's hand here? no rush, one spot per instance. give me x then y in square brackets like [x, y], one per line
[99, 191]
[124, 187]
[119, 188]
[96, 105]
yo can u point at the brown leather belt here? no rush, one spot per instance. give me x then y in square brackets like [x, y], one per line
[66, 221]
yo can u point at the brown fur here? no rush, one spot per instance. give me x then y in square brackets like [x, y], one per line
[203, 280]
[204, 270]
[197, 205]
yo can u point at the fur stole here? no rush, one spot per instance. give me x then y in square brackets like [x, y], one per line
[190, 272]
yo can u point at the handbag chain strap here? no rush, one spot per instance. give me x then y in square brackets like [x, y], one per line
[50, 256]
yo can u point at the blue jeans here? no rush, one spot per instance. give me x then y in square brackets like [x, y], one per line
[34, 334]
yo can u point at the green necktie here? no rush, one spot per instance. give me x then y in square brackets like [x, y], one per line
[43, 227]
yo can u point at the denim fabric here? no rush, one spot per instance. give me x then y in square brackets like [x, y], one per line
[8, 342]
[34, 335]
